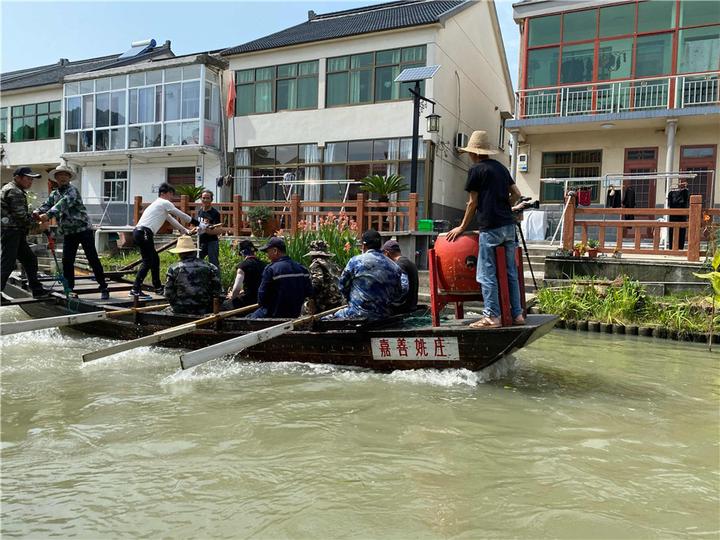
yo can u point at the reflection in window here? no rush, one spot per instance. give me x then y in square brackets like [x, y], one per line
[579, 25]
[544, 30]
[577, 63]
[542, 67]
[697, 12]
[653, 55]
[615, 59]
[699, 49]
[655, 15]
[617, 20]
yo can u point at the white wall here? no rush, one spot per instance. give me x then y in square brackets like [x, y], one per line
[31, 152]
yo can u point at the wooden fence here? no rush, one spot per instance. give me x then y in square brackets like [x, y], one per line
[647, 225]
[289, 215]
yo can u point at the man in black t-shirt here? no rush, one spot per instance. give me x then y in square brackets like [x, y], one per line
[208, 216]
[491, 192]
[244, 291]
[391, 249]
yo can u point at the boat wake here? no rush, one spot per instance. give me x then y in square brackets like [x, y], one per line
[227, 368]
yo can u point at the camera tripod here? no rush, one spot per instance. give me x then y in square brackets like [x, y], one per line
[527, 254]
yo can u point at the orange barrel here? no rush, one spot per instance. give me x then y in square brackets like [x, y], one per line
[457, 263]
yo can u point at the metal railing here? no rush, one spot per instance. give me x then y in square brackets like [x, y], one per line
[673, 92]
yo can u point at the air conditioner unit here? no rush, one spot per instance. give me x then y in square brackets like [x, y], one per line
[461, 140]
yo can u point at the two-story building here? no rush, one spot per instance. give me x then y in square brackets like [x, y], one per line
[621, 92]
[32, 114]
[319, 100]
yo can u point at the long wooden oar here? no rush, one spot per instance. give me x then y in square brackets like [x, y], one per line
[235, 345]
[66, 320]
[159, 250]
[166, 334]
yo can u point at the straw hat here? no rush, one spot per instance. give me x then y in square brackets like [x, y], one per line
[185, 245]
[318, 248]
[478, 144]
[59, 169]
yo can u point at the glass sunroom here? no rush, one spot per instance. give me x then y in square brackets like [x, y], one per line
[178, 105]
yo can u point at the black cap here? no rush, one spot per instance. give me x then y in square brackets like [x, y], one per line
[274, 242]
[26, 171]
[371, 238]
[391, 245]
[246, 247]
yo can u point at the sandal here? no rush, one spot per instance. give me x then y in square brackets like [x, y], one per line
[486, 322]
[519, 321]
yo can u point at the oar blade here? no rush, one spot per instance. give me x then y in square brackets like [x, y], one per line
[50, 322]
[233, 346]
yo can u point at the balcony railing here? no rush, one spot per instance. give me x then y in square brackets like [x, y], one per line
[676, 92]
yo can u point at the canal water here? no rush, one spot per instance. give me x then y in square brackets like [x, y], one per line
[577, 436]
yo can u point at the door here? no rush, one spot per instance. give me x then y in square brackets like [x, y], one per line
[700, 159]
[638, 161]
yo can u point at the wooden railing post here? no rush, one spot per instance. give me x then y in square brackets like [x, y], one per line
[412, 211]
[360, 212]
[694, 227]
[294, 212]
[568, 239]
[136, 208]
[185, 203]
[237, 215]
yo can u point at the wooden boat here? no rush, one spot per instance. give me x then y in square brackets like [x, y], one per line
[402, 342]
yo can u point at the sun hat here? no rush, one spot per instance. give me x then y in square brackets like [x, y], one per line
[26, 171]
[274, 242]
[478, 144]
[246, 247]
[318, 248]
[59, 169]
[185, 244]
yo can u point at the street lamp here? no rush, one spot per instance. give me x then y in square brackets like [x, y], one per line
[433, 122]
[416, 75]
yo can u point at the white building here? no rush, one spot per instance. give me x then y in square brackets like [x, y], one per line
[31, 112]
[318, 99]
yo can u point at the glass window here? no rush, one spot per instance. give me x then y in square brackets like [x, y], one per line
[102, 85]
[385, 88]
[579, 164]
[338, 64]
[191, 72]
[117, 139]
[191, 99]
[172, 134]
[577, 63]
[263, 155]
[146, 105]
[653, 55]
[289, 70]
[172, 101]
[656, 15]
[336, 153]
[580, 25]
[72, 113]
[136, 79]
[3, 124]
[72, 89]
[152, 134]
[360, 150]
[118, 82]
[245, 100]
[286, 154]
[338, 85]
[190, 133]
[615, 59]
[102, 109]
[44, 127]
[307, 95]
[154, 77]
[31, 122]
[308, 68]
[135, 137]
[544, 30]
[361, 86]
[697, 12]
[263, 97]
[71, 142]
[87, 87]
[542, 67]
[699, 49]
[413, 54]
[102, 140]
[117, 108]
[87, 111]
[173, 74]
[286, 94]
[387, 57]
[617, 20]
[115, 186]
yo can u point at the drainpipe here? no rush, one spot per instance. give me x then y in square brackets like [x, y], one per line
[513, 165]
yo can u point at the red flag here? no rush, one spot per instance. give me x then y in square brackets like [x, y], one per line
[230, 107]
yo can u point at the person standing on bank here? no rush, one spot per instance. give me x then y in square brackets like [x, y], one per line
[66, 205]
[285, 284]
[209, 242]
[152, 219]
[391, 249]
[491, 192]
[15, 222]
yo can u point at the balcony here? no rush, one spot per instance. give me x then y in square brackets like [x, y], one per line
[674, 92]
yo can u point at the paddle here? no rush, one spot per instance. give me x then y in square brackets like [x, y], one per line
[159, 250]
[235, 345]
[66, 320]
[166, 334]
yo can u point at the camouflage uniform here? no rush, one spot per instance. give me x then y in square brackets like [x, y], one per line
[324, 277]
[191, 286]
[65, 204]
[372, 283]
[15, 223]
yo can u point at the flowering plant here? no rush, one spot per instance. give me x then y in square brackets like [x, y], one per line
[339, 232]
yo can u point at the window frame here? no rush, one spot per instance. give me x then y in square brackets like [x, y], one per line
[673, 30]
[114, 182]
[570, 165]
[57, 115]
[274, 80]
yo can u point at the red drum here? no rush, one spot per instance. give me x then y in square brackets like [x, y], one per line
[457, 264]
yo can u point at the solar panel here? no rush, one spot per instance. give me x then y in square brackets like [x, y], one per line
[138, 48]
[417, 74]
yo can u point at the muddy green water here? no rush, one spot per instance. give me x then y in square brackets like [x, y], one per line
[578, 436]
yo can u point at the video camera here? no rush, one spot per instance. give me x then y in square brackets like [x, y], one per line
[525, 204]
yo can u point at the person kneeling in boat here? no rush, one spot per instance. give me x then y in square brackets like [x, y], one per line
[192, 283]
[285, 284]
[371, 282]
[324, 276]
[244, 291]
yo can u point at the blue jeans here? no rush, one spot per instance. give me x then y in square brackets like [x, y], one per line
[487, 270]
[211, 250]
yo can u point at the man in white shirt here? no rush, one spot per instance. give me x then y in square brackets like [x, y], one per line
[161, 210]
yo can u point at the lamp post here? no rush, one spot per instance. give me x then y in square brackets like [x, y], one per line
[416, 75]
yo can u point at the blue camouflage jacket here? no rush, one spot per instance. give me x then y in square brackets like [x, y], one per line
[371, 283]
[285, 285]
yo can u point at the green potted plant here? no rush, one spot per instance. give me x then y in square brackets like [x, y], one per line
[592, 248]
[262, 221]
[193, 192]
[383, 186]
[579, 249]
